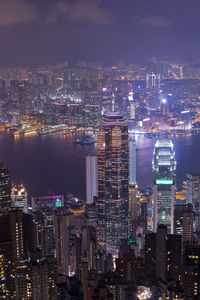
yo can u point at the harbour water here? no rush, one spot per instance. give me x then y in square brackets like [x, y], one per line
[52, 163]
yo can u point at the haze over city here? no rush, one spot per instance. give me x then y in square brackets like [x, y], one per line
[47, 32]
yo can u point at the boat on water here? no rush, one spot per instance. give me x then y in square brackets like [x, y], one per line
[85, 140]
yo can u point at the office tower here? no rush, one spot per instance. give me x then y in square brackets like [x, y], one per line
[183, 221]
[153, 80]
[132, 161]
[153, 91]
[91, 178]
[164, 174]
[5, 190]
[19, 197]
[191, 272]
[113, 181]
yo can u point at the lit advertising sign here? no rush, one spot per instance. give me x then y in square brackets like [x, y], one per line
[164, 181]
[58, 203]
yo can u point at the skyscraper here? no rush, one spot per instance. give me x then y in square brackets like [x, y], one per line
[164, 174]
[19, 197]
[5, 190]
[91, 178]
[193, 196]
[113, 181]
[132, 161]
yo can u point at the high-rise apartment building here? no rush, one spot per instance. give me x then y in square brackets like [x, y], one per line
[164, 175]
[5, 190]
[113, 181]
[191, 272]
[193, 196]
[193, 190]
[91, 178]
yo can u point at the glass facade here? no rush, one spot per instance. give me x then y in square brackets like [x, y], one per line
[113, 181]
[164, 177]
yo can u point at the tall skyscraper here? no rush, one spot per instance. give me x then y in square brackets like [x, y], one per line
[164, 175]
[5, 190]
[91, 178]
[132, 161]
[153, 80]
[113, 181]
[62, 238]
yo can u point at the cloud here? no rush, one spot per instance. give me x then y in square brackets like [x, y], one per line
[82, 10]
[16, 11]
[154, 21]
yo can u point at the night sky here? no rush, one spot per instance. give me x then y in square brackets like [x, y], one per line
[50, 31]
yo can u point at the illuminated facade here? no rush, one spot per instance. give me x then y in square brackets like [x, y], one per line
[113, 181]
[132, 161]
[5, 190]
[164, 175]
[19, 197]
[91, 178]
[153, 91]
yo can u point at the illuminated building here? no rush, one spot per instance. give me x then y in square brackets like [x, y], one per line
[191, 272]
[62, 240]
[7, 279]
[54, 201]
[5, 190]
[164, 174]
[113, 181]
[132, 161]
[153, 80]
[43, 278]
[129, 267]
[91, 178]
[193, 195]
[23, 280]
[46, 206]
[19, 197]
[183, 221]
[153, 91]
